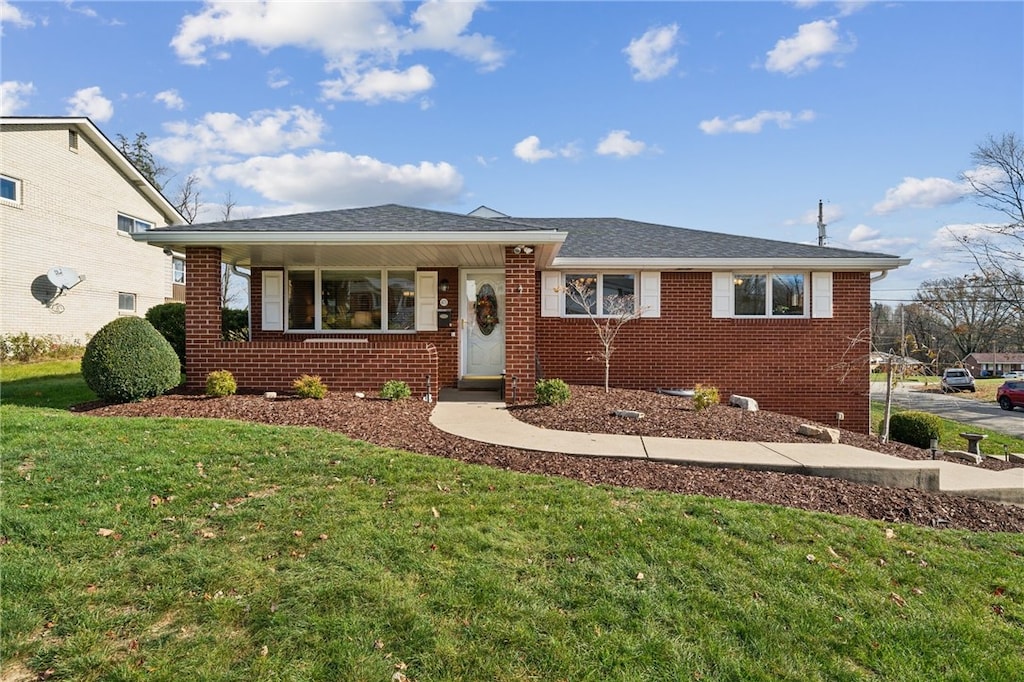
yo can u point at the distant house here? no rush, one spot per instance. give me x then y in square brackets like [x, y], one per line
[993, 364]
[360, 296]
[69, 204]
[905, 363]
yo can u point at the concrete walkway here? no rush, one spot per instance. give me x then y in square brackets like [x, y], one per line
[481, 416]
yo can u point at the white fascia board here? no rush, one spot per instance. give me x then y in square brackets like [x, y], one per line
[731, 264]
[201, 238]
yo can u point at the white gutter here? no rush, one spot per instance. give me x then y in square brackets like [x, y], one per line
[171, 237]
[705, 264]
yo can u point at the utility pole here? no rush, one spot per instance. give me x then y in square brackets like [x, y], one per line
[821, 224]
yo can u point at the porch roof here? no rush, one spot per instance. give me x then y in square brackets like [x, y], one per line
[400, 235]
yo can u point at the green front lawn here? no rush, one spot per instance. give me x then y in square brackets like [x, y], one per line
[168, 549]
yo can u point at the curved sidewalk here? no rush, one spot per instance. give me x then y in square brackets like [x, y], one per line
[481, 416]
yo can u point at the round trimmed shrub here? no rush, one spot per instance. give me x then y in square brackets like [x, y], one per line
[395, 390]
[128, 360]
[914, 428]
[169, 320]
[551, 392]
[220, 383]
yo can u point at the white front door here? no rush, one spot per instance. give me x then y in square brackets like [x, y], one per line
[483, 316]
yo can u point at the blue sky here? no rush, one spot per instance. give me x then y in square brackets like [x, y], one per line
[730, 117]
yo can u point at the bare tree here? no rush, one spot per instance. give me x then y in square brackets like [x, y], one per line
[617, 311]
[973, 317]
[187, 200]
[997, 183]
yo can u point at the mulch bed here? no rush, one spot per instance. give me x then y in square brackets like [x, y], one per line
[405, 425]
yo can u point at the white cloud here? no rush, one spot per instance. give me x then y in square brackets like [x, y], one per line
[805, 51]
[171, 99]
[529, 150]
[276, 79]
[91, 102]
[14, 96]
[360, 41]
[651, 55]
[376, 85]
[11, 15]
[865, 238]
[863, 233]
[618, 143]
[921, 193]
[754, 124]
[221, 137]
[322, 180]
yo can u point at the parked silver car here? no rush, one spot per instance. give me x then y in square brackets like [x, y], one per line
[957, 379]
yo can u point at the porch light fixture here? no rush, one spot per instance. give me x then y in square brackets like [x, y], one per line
[443, 286]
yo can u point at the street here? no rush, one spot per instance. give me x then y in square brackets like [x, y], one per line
[956, 407]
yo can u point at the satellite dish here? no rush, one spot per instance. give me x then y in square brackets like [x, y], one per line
[63, 278]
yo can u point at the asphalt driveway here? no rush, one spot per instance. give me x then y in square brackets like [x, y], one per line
[955, 406]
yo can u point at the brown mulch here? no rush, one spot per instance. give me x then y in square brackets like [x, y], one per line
[405, 425]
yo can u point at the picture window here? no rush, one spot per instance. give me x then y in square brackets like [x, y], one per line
[612, 287]
[769, 295]
[351, 300]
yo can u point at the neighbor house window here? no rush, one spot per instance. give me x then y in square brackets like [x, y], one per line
[73, 140]
[352, 300]
[125, 302]
[130, 225]
[769, 295]
[599, 294]
[10, 189]
[178, 270]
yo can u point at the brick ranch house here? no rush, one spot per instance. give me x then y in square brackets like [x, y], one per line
[361, 296]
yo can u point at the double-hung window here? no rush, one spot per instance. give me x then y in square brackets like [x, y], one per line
[10, 189]
[769, 295]
[351, 300]
[129, 225]
[178, 270]
[599, 294]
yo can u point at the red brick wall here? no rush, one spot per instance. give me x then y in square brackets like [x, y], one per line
[273, 360]
[520, 323]
[811, 368]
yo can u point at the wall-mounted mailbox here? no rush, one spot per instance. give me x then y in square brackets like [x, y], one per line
[444, 319]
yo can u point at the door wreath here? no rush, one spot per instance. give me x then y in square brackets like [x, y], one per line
[486, 309]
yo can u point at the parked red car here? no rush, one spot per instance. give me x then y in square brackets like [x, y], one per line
[1010, 395]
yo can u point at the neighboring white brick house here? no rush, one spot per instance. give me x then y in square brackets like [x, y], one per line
[68, 198]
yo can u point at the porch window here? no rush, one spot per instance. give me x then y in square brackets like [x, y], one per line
[352, 300]
[614, 290]
[774, 295]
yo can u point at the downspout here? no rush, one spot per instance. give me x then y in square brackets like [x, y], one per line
[248, 285]
[880, 276]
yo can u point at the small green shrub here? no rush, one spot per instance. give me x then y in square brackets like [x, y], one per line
[128, 360]
[169, 320]
[914, 428]
[25, 348]
[704, 397]
[308, 386]
[552, 392]
[395, 390]
[220, 383]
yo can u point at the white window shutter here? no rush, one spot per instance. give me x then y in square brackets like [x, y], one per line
[551, 286]
[721, 294]
[273, 300]
[650, 294]
[426, 301]
[821, 294]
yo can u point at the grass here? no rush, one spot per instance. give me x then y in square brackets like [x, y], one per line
[197, 549]
[949, 435]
